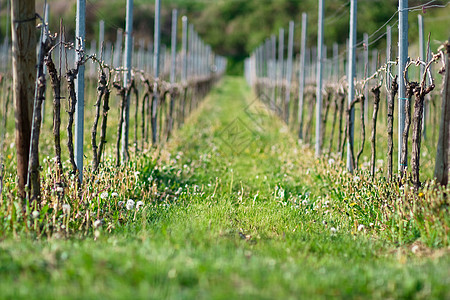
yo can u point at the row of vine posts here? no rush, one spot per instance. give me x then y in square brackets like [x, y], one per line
[281, 79]
[164, 89]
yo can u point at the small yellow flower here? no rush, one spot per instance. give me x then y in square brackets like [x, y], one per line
[9, 156]
[353, 204]
[421, 194]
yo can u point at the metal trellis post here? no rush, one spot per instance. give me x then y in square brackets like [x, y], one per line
[79, 87]
[319, 77]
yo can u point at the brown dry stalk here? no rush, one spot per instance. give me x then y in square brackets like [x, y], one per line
[33, 169]
[342, 97]
[173, 95]
[136, 97]
[122, 93]
[154, 114]
[101, 89]
[2, 136]
[363, 131]
[417, 131]
[56, 86]
[105, 110]
[325, 117]
[348, 127]
[70, 77]
[333, 125]
[144, 132]
[404, 155]
[308, 135]
[390, 124]
[376, 92]
[182, 108]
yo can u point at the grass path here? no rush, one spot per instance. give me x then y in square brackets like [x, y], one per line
[246, 216]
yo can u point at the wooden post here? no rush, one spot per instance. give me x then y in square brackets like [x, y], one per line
[443, 147]
[46, 12]
[23, 28]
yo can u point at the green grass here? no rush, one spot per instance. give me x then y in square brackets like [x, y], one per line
[235, 208]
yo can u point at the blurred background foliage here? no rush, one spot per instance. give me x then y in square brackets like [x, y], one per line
[235, 27]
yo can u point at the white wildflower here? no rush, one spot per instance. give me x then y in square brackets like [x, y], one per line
[139, 204]
[66, 208]
[360, 227]
[333, 230]
[97, 223]
[331, 161]
[104, 195]
[121, 203]
[356, 179]
[35, 214]
[305, 202]
[371, 224]
[130, 204]
[60, 189]
[326, 203]
[114, 195]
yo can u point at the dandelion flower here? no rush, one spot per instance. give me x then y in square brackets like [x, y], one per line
[130, 204]
[139, 204]
[66, 208]
[104, 195]
[35, 214]
[97, 223]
